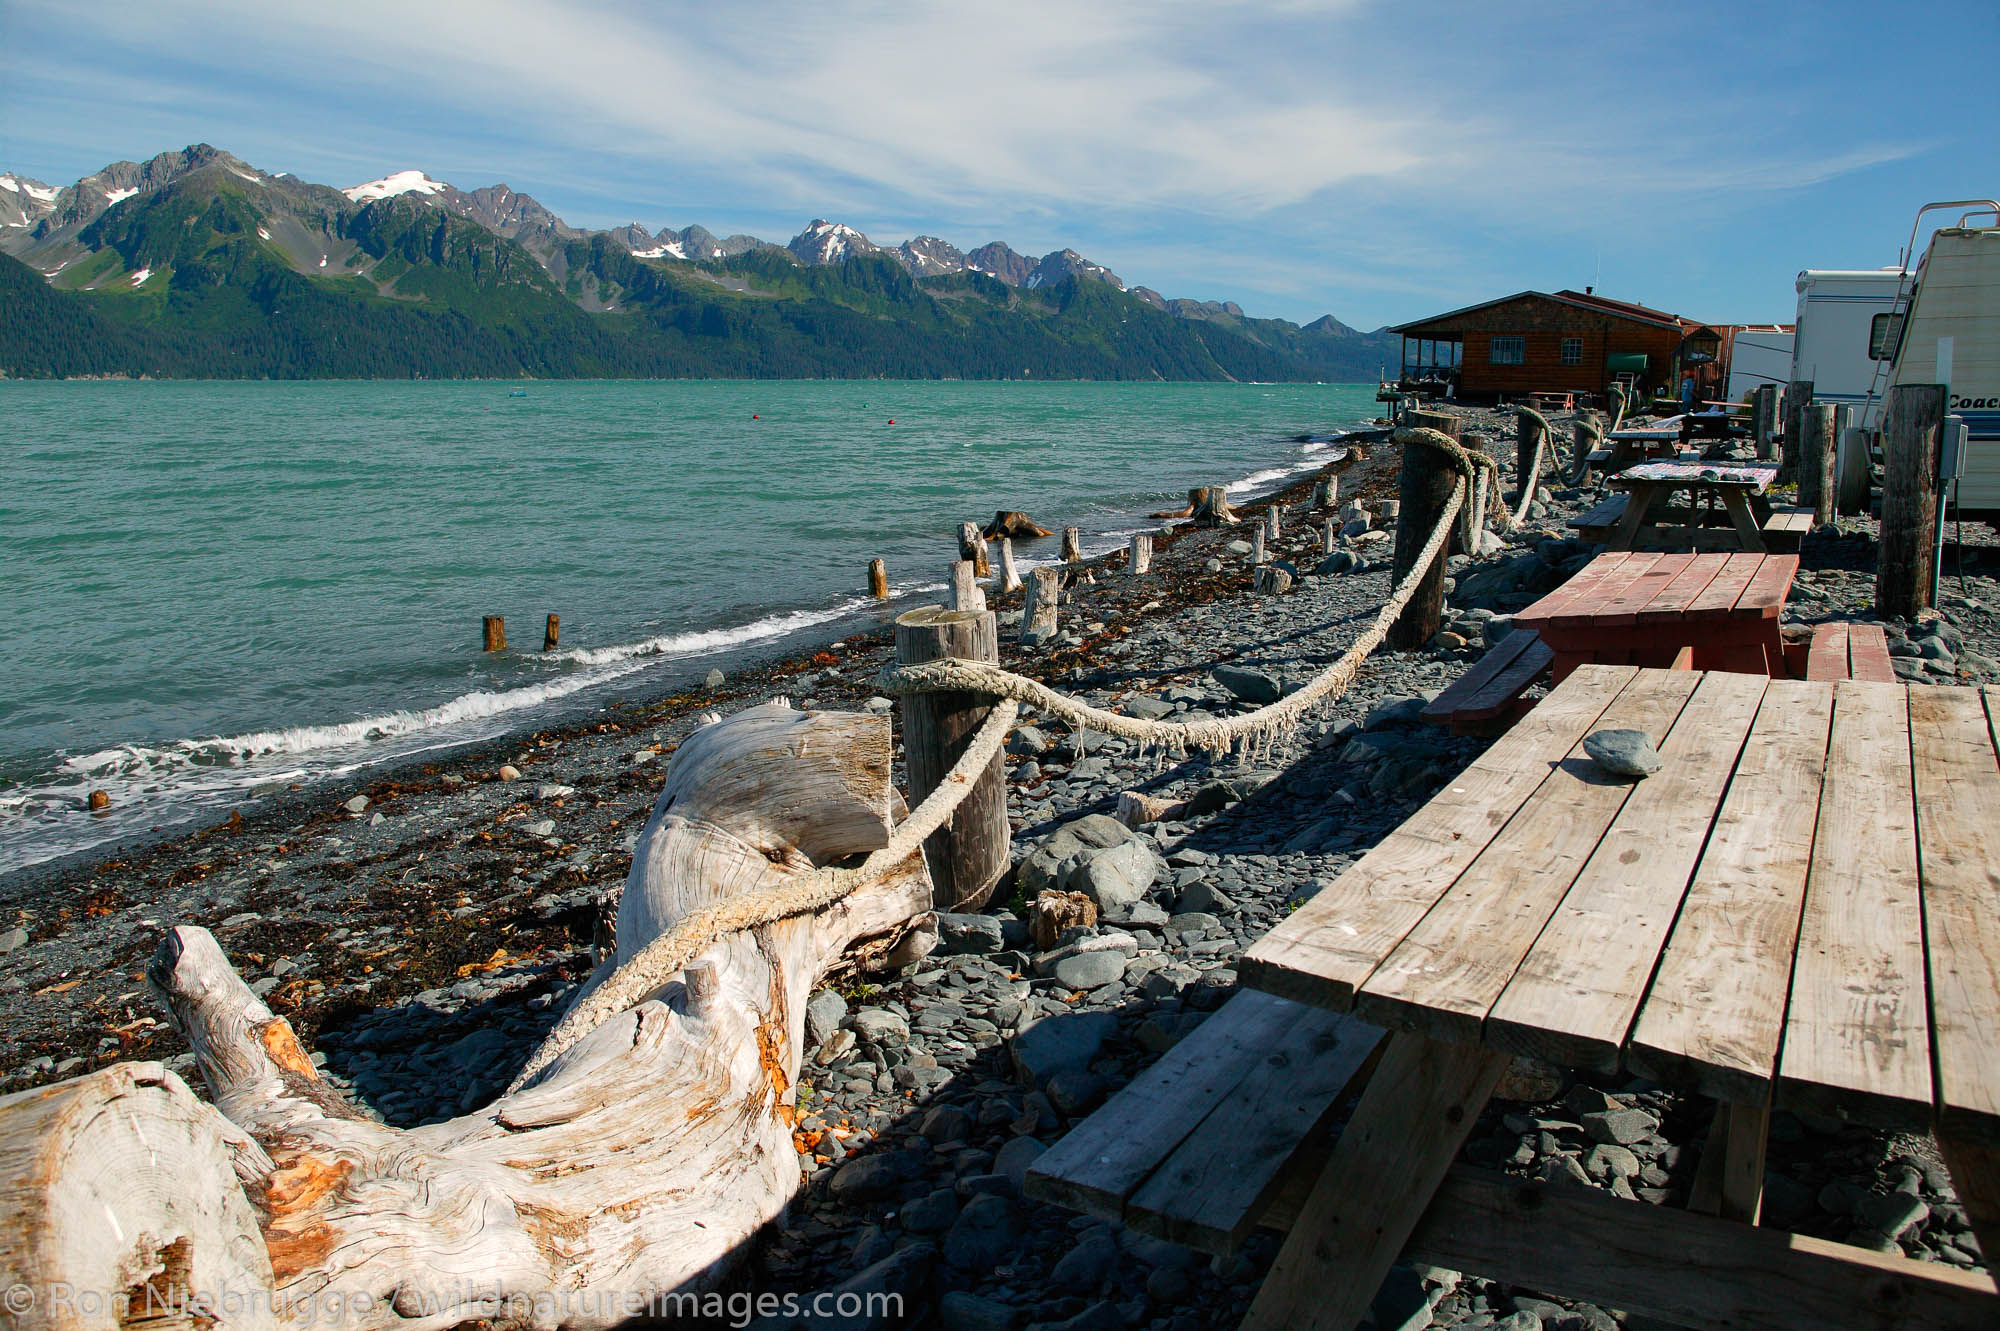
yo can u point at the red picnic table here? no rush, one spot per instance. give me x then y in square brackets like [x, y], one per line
[1647, 609]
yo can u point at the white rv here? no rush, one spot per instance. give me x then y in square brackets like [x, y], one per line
[1758, 356]
[1951, 335]
[1840, 337]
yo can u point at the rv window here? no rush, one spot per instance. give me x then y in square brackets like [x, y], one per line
[1572, 351]
[1885, 333]
[1509, 350]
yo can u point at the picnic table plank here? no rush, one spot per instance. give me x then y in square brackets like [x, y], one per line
[1958, 827]
[1624, 608]
[1578, 989]
[1104, 1159]
[1772, 584]
[1579, 587]
[1210, 1193]
[1501, 692]
[1868, 653]
[1719, 598]
[1418, 1110]
[1330, 945]
[1714, 1015]
[1826, 658]
[1584, 607]
[1444, 976]
[1683, 591]
[1857, 1041]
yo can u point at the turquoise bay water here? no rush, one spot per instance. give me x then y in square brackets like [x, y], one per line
[213, 588]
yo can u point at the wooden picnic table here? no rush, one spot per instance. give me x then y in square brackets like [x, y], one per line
[1630, 608]
[1799, 911]
[1738, 487]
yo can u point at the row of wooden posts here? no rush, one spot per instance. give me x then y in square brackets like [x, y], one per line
[1809, 438]
[496, 633]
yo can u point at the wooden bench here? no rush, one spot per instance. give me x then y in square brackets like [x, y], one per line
[1486, 699]
[1599, 522]
[1197, 1147]
[1786, 527]
[1848, 651]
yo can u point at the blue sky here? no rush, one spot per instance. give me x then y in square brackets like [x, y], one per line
[1379, 162]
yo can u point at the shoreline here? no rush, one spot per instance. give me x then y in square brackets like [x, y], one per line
[423, 943]
[190, 809]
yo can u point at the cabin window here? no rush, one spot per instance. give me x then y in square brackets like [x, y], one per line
[1509, 350]
[1572, 351]
[1885, 334]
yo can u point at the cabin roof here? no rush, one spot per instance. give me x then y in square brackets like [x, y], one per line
[1619, 309]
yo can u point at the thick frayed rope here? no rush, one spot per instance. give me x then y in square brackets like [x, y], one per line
[666, 956]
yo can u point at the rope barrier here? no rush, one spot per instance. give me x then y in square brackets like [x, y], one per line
[670, 953]
[666, 956]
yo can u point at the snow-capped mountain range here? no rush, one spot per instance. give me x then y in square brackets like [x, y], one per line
[40, 224]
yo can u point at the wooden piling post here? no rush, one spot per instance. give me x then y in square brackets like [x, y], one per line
[1010, 577]
[496, 633]
[551, 633]
[1271, 522]
[1764, 420]
[1816, 451]
[1329, 534]
[1326, 494]
[1072, 546]
[1527, 439]
[968, 856]
[878, 579]
[965, 593]
[1424, 486]
[1041, 606]
[1257, 553]
[971, 545]
[1798, 403]
[1911, 418]
[1142, 554]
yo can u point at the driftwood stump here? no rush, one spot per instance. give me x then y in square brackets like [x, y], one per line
[1019, 526]
[1041, 607]
[968, 855]
[634, 1169]
[972, 546]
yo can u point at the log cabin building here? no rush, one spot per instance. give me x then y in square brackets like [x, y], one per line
[1572, 341]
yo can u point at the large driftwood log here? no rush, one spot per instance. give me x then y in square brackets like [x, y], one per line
[1016, 525]
[1208, 505]
[651, 1150]
[122, 1206]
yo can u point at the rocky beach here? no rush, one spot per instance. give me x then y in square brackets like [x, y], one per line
[422, 931]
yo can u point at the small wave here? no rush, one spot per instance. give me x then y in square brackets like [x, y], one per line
[707, 641]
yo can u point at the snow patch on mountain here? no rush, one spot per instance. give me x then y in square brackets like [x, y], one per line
[671, 250]
[112, 196]
[22, 185]
[402, 182]
[139, 278]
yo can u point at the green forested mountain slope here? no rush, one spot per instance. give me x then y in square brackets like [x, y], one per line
[218, 274]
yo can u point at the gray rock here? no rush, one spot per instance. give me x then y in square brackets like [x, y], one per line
[825, 1011]
[358, 804]
[1211, 797]
[1891, 1213]
[870, 1178]
[1340, 561]
[932, 1213]
[1012, 1160]
[875, 1025]
[13, 940]
[1148, 708]
[1239, 548]
[1608, 1162]
[1620, 1127]
[1083, 1268]
[1252, 686]
[1115, 877]
[1204, 897]
[1044, 867]
[876, 1295]
[947, 1123]
[970, 935]
[541, 827]
[1091, 970]
[1076, 1093]
[1059, 1043]
[1623, 752]
[1028, 742]
[714, 679]
[1405, 710]
[960, 1310]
